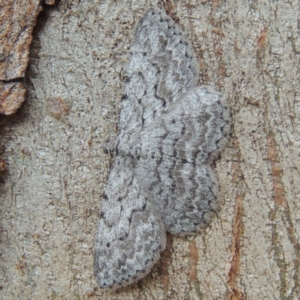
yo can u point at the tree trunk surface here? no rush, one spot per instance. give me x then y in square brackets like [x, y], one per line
[56, 167]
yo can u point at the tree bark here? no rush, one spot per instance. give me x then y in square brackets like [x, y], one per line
[56, 167]
[17, 20]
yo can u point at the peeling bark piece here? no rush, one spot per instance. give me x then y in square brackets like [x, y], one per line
[17, 19]
[12, 95]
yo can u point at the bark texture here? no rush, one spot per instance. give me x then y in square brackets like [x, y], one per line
[17, 20]
[56, 168]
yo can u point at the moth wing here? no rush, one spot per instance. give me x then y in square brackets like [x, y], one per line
[194, 130]
[189, 197]
[130, 235]
[172, 155]
[162, 66]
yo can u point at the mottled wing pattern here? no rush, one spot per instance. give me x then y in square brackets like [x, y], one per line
[131, 234]
[162, 66]
[170, 131]
[171, 156]
[188, 200]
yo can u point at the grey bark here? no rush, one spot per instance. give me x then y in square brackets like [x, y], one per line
[51, 195]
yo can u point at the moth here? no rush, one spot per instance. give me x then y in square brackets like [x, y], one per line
[170, 130]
